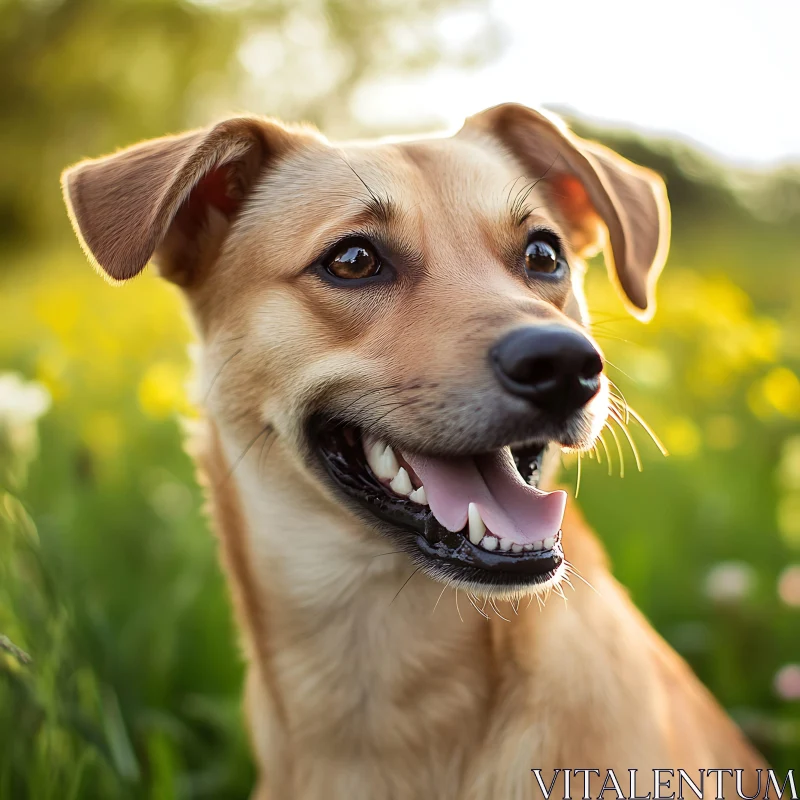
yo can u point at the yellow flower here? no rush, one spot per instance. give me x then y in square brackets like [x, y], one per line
[682, 437]
[778, 391]
[781, 388]
[59, 307]
[161, 390]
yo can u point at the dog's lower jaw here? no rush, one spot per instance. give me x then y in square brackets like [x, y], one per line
[363, 686]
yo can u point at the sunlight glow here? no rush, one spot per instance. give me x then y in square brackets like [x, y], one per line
[722, 73]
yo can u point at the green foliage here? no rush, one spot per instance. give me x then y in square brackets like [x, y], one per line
[84, 77]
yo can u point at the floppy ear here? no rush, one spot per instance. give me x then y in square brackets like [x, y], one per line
[605, 200]
[173, 197]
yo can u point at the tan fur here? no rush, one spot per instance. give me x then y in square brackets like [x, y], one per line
[367, 679]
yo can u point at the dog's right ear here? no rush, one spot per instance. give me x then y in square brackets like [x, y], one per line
[170, 199]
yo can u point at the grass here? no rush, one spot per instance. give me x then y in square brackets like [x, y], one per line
[120, 671]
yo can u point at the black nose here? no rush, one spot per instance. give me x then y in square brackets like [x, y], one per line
[556, 368]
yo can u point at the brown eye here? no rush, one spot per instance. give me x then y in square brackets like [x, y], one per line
[541, 256]
[354, 261]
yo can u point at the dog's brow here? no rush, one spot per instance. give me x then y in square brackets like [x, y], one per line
[382, 209]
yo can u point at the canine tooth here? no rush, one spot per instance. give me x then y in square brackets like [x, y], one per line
[505, 544]
[401, 483]
[389, 465]
[381, 460]
[476, 526]
[549, 542]
[373, 450]
[419, 496]
[529, 547]
[489, 543]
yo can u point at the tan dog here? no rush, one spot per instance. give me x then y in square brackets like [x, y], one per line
[393, 340]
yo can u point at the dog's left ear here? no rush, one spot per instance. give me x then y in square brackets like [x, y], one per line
[596, 191]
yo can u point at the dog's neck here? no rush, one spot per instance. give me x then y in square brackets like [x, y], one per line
[356, 657]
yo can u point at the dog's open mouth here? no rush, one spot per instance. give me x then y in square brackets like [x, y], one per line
[470, 519]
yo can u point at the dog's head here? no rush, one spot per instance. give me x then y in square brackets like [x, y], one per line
[406, 317]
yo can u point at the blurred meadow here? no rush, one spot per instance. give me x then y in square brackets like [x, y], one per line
[120, 671]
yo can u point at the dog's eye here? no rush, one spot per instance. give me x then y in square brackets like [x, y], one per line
[353, 261]
[541, 256]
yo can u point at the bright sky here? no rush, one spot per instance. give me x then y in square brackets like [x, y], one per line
[724, 74]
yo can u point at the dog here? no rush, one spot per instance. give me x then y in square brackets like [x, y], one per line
[394, 350]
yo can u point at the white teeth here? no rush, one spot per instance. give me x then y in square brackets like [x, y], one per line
[383, 463]
[381, 460]
[476, 526]
[476, 529]
[401, 483]
[419, 496]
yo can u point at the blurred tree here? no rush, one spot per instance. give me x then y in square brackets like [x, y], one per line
[82, 77]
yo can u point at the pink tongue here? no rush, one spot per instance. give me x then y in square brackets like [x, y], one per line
[510, 508]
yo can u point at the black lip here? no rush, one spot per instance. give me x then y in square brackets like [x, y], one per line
[414, 529]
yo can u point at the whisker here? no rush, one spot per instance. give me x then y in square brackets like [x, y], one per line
[471, 598]
[496, 611]
[379, 204]
[511, 188]
[519, 201]
[375, 391]
[658, 443]
[436, 604]
[266, 429]
[396, 407]
[603, 335]
[457, 608]
[605, 447]
[560, 592]
[628, 436]
[407, 581]
[607, 425]
[574, 571]
[619, 369]
[219, 372]
[618, 391]
[355, 412]
[578, 480]
[606, 317]
[616, 401]
[262, 454]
